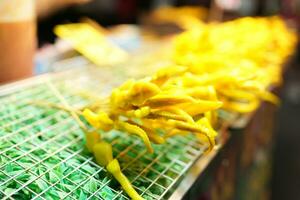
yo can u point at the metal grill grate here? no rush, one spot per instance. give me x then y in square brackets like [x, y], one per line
[42, 154]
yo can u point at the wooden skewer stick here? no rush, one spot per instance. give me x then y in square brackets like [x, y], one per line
[53, 105]
[65, 103]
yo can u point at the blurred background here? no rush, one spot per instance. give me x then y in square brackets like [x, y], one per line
[112, 12]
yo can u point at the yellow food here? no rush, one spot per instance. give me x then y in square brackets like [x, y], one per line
[92, 138]
[241, 59]
[159, 99]
[104, 157]
[229, 66]
[114, 168]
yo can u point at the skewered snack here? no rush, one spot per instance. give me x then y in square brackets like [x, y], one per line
[140, 107]
[215, 66]
[242, 59]
[104, 157]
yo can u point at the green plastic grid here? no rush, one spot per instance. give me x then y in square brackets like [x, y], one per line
[42, 153]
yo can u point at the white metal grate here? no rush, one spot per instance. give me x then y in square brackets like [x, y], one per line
[42, 154]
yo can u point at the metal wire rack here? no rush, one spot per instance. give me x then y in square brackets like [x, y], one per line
[42, 152]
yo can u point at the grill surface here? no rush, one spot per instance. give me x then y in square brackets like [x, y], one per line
[42, 153]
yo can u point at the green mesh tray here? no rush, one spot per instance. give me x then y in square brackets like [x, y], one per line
[42, 152]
